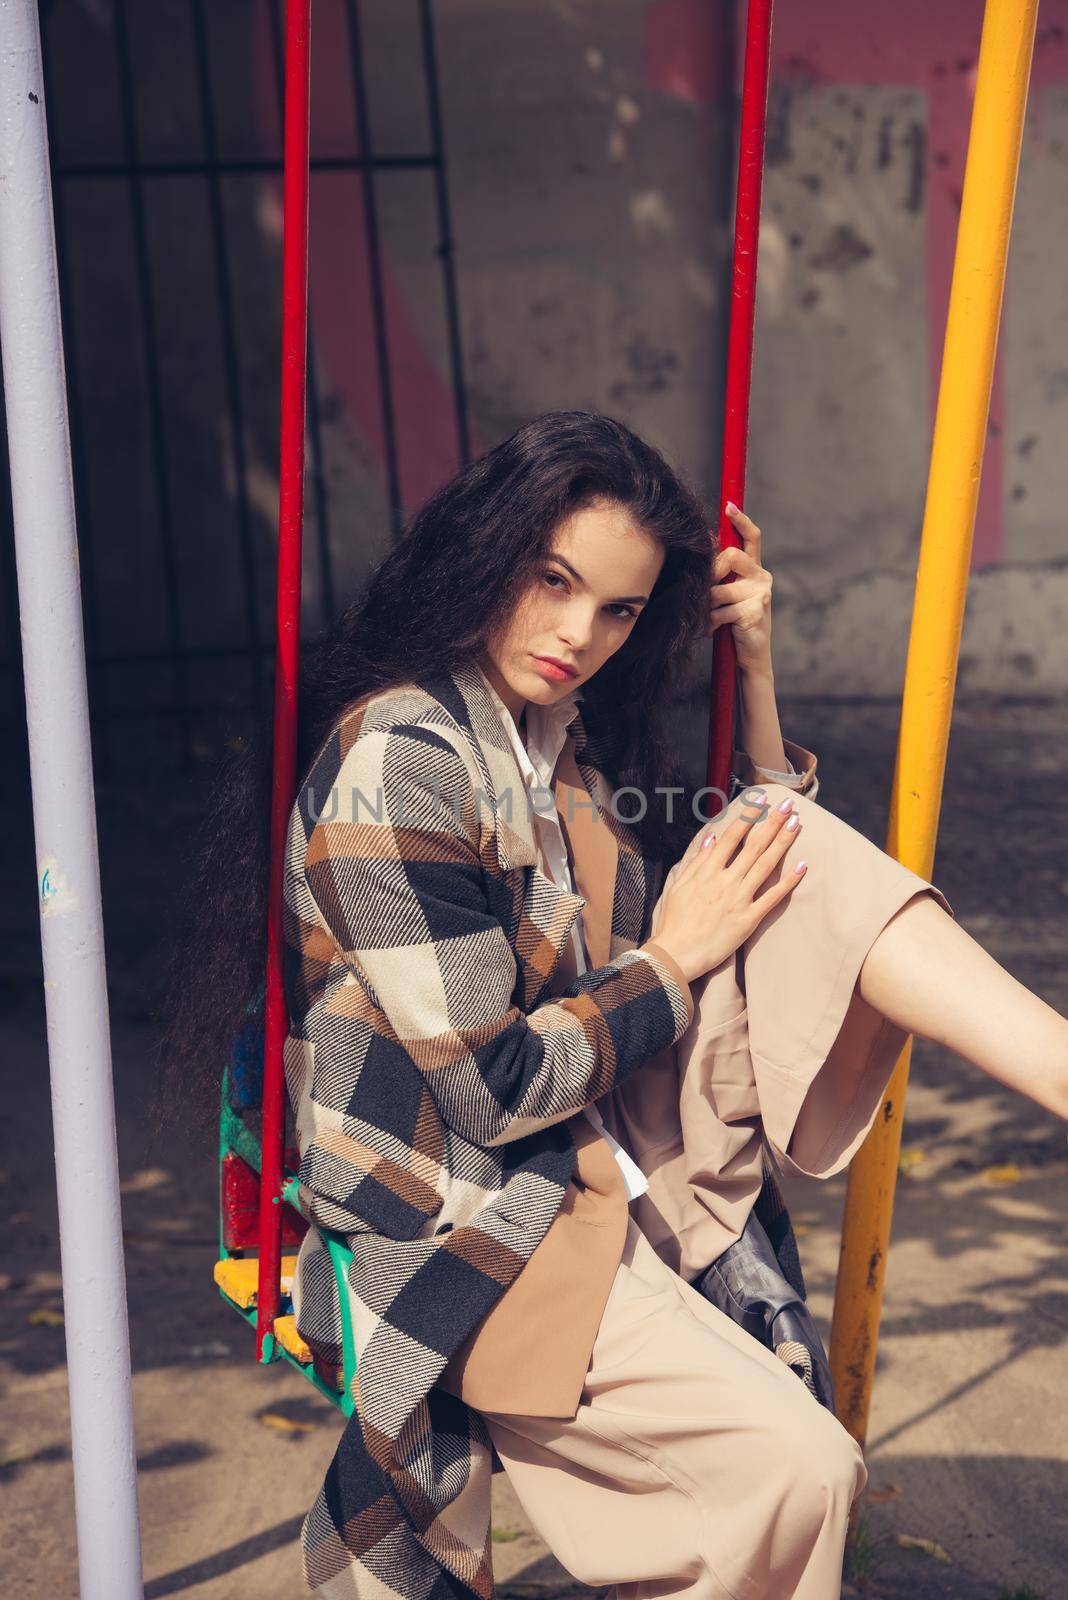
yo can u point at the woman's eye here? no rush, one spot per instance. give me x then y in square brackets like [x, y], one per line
[616, 607]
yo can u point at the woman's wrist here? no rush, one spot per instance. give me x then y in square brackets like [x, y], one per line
[668, 959]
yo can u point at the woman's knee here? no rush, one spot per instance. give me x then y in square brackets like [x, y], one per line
[808, 1441]
[828, 1466]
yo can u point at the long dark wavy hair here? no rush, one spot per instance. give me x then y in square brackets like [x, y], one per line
[463, 563]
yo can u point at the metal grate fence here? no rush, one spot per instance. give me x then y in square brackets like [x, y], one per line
[165, 127]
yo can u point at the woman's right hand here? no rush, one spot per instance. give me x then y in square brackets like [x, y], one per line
[710, 903]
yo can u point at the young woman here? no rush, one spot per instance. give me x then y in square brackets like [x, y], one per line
[529, 985]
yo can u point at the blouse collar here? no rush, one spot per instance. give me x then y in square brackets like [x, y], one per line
[546, 733]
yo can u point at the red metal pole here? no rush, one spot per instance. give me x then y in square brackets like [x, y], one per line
[290, 530]
[740, 359]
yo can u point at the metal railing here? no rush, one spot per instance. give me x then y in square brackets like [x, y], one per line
[186, 699]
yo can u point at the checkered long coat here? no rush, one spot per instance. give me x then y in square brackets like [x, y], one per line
[431, 1084]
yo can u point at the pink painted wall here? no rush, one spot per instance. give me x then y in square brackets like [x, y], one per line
[932, 47]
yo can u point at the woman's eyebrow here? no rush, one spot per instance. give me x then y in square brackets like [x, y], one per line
[620, 600]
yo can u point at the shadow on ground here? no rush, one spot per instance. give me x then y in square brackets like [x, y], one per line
[967, 1444]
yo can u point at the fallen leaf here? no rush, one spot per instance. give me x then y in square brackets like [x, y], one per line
[45, 1317]
[911, 1156]
[505, 1535]
[147, 1179]
[274, 1419]
[887, 1490]
[930, 1547]
[1009, 1173]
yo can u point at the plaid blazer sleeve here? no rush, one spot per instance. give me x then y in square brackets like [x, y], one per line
[399, 883]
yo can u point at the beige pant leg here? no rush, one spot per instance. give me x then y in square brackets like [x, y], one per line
[782, 1047]
[696, 1465]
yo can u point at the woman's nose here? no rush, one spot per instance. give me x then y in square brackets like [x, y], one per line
[577, 630]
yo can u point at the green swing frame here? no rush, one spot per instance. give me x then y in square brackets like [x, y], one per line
[237, 1139]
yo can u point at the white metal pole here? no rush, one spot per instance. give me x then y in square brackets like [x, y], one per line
[64, 819]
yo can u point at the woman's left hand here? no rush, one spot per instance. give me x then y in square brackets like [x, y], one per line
[745, 601]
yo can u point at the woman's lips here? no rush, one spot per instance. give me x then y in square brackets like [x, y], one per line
[550, 670]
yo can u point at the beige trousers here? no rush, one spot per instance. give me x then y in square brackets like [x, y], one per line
[697, 1464]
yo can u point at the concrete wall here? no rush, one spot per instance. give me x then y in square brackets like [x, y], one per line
[612, 115]
[587, 156]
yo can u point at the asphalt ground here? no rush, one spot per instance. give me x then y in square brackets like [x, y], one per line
[967, 1447]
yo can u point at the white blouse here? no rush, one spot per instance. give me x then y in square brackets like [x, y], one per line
[546, 733]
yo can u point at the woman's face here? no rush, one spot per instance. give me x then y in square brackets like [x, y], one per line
[578, 610]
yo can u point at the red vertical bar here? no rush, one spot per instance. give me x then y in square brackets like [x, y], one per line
[740, 359]
[290, 529]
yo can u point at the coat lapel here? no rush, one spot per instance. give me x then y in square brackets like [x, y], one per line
[618, 882]
[592, 850]
[464, 693]
[610, 876]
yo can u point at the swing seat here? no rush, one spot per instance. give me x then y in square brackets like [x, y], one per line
[235, 1277]
[236, 1272]
[285, 1331]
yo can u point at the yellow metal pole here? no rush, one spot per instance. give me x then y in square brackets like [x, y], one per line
[934, 641]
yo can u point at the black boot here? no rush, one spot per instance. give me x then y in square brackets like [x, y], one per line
[746, 1282]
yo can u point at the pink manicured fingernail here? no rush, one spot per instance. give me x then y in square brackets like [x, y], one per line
[707, 840]
[793, 822]
[785, 805]
[801, 865]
